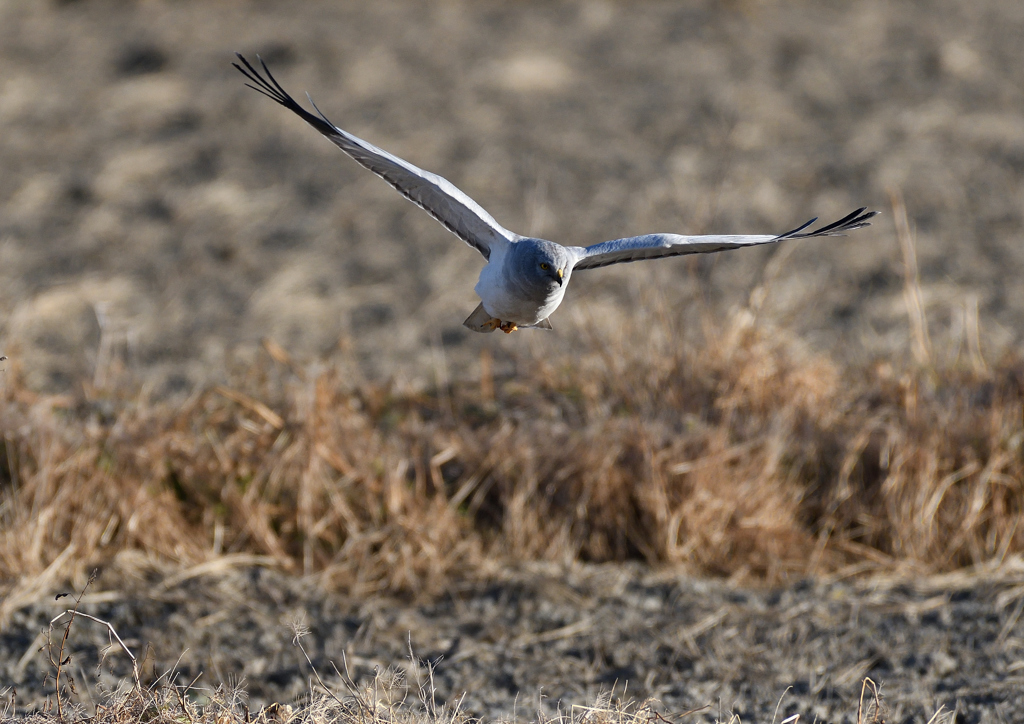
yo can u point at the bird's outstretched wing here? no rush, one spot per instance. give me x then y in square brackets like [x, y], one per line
[658, 246]
[437, 196]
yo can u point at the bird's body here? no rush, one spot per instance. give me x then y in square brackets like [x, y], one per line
[524, 279]
[511, 292]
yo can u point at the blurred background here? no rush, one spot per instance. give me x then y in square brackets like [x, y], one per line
[157, 213]
[844, 407]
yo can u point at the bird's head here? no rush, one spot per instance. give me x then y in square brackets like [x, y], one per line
[541, 266]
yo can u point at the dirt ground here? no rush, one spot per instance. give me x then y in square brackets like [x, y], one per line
[154, 209]
[567, 635]
[158, 219]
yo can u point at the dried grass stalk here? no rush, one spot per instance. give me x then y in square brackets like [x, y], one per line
[739, 454]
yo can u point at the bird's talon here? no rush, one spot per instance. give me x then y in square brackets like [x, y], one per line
[508, 327]
[491, 324]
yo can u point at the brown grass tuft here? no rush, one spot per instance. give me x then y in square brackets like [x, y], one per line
[739, 453]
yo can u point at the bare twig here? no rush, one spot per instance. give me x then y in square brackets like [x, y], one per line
[877, 701]
[299, 632]
[779, 705]
[110, 628]
[61, 662]
[693, 711]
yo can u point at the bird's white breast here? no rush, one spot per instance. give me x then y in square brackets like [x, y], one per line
[507, 303]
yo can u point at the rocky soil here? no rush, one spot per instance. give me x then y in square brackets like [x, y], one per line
[547, 637]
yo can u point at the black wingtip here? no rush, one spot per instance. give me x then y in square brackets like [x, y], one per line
[317, 109]
[855, 220]
[267, 86]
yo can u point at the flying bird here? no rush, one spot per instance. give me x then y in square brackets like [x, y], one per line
[524, 278]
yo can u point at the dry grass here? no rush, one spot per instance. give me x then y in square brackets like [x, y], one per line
[384, 700]
[733, 451]
[388, 698]
[396, 695]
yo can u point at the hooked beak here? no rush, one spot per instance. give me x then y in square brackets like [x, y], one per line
[561, 278]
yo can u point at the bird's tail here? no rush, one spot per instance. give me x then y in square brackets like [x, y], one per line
[479, 320]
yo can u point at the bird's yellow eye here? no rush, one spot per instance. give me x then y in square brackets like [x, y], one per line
[545, 266]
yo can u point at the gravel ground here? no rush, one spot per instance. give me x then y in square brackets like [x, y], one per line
[569, 634]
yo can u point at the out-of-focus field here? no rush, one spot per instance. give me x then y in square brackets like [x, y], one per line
[150, 201]
[227, 338]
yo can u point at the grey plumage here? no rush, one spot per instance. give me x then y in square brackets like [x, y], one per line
[524, 279]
